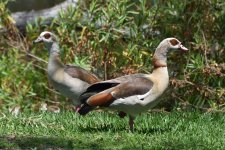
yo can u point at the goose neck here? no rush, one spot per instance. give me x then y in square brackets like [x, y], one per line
[160, 56]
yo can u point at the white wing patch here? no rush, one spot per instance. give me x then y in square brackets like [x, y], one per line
[141, 97]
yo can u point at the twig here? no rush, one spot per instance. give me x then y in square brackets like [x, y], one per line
[37, 58]
[53, 91]
[40, 67]
[191, 83]
[105, 63]
[196, 107]
[206, 60]
[154, 17]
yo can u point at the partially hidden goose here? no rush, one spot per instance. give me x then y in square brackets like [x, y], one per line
[135, 93]
[69, 80]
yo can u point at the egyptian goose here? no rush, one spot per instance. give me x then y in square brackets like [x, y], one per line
[69, 80]
[135, 93]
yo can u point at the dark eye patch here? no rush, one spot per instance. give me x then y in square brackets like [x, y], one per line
[174, 42]
[47, 35]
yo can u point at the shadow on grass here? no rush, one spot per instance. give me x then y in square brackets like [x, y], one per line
[8, 142]
[101, 128]
[152, 130]
[112, 128]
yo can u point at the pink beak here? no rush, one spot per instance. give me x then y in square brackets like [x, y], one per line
[183, 48]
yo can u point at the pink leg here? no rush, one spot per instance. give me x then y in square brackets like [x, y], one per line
[131, 123]
[77, 108]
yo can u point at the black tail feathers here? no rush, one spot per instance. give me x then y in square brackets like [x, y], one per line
[85, 109]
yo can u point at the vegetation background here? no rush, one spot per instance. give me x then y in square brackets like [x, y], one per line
[114, 38]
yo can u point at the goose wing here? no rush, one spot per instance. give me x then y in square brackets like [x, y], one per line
[104, 93]
[80, 73]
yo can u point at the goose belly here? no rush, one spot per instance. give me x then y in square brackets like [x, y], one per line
[136, 104]
[69, 87]
[130, 105]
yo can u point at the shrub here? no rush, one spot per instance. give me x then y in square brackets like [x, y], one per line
[114, 38]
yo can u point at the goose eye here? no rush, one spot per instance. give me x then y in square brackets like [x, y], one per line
[47, 35]
[174, 42]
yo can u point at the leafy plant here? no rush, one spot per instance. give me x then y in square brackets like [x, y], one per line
[114, 38]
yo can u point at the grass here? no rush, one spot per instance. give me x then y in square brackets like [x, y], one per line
[105, 130]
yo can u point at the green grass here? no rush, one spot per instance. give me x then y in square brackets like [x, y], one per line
[105, 130]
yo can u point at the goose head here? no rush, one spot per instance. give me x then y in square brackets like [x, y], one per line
[175, 44]
[160, 55]
[49, 39]
[46, 37]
